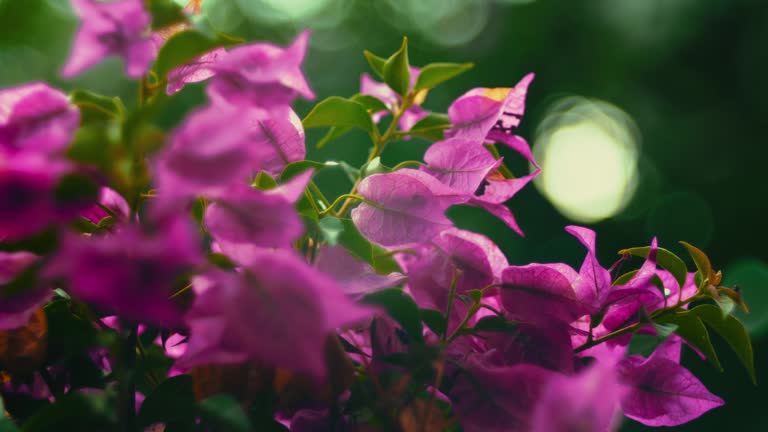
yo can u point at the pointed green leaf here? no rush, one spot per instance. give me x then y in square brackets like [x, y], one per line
[371, 103]
[730, 329]
[185, 46]
[165, 13]
[96, 107]
[383, 262]
[334, 133]
[172, 401]
[396, 70]
[337, 111]
[431, 127]
[435, 320]
[295, 168]
[264, 181]
[494, 323]
[401, 307]
[623, 279]
[376, 62]
[701, 260]
[664, 258]
[331, 228]
[355, 243]
[434, 74]
[74, 412]
[692, 329]
[225, 413]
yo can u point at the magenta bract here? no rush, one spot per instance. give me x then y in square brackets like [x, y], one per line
[261, 74]
[117, 28]
[276, 309]
[36, 118]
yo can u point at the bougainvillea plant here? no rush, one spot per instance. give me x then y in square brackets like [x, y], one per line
[195, 278]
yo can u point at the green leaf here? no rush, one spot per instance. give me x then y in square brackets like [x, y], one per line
[435, 320]
[76, 188]
[6, 424]
[692, 329]
[373, 167]
[165, 13]
[730, 329]
[96, 107]
[74, 412]
[221, 261]
[225, 413]
[431, 127]
[331, 228]
[475, 295]
[665, 259]
[264, 181]
[376, 62]
[396, 70]
[434, 74]
[334, 133]
[92, 145]
[383, 262]
[172, 401]
[355, 243]
[701, 260]
[295, 168]
[185, 46]
[371, 104]
[401, 307]
[494, 323]
[337, 111]
[623, 279]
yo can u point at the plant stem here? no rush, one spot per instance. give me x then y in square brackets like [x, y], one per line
[127, 380]
[378, 147]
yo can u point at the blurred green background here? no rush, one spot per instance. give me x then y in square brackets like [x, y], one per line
[648, 116]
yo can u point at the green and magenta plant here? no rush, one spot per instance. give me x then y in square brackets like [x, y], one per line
[196, 278]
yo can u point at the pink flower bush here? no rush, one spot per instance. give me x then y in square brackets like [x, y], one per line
[202, 267]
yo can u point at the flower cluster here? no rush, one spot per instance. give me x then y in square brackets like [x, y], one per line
[203, 265]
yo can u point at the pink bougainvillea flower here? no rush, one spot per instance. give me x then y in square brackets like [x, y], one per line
[204, 158]
[110, 203]
[371, 87]
[30, 195]
[568, 294]
[472, 259]
[356, 277]
[404, 207]
[660, 392]
[545, 344]
[541, 293]
[276, 309]
[472, 170]
[16, 308]
[495, 190]
[195, 71]
[243, 214]
[132, 272]
[460, 164]
[276, 139]
[119, 27]
[261, 74]
[588, 401]
[36, 118]
[490, 398]
[594, 282]
[481, 110]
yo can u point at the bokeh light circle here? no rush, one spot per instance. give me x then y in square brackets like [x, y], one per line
[588, 151]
